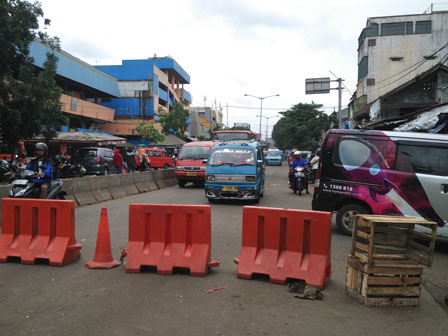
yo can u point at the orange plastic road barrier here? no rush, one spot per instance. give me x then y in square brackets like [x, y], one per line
[103, 252]
[168, 236]
[39, 229]
[286, 244]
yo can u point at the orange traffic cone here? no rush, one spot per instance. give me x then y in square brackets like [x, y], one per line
[103, 253]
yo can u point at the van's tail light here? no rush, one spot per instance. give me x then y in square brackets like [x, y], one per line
[98, 159]
[317, 181]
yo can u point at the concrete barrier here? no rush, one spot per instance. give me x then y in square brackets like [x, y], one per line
[165, 178]
[83, 193]
[141, 181]
[114, 186]
[151, 181]
[98, 185]
[127, 183]
[68, 188]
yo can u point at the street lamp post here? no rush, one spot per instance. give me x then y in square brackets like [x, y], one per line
[261, 104]
[267, 125]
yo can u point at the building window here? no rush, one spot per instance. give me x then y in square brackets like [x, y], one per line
[409, 28]
[363, 68]
[370, 81]
[368, 32]
[371, 42]
[396, 59]
[396, 28]
[423, 27]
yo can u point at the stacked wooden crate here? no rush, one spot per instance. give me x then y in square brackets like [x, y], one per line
[386, 260]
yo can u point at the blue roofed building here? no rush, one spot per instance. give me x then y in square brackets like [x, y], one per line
[148, 87]
[83, 87]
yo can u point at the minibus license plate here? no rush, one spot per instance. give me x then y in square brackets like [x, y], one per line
[228, 188]
[192, 174]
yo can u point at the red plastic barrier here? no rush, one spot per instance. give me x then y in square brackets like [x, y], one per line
[168, 236]
[286, 244]
[38, 229]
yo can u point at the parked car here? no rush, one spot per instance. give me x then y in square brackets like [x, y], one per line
[235, 171]
[159, 158]
[274, 157]
[189, 165]
[383, 173]
[97, 160]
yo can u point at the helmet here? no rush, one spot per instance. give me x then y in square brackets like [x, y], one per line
[41, 145]
[297, 153]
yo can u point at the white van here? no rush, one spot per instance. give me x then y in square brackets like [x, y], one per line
[383, 173]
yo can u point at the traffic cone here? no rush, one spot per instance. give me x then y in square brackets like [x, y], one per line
[103, 253]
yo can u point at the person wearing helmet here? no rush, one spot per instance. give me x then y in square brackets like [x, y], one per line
[42, 165]
[298, 161]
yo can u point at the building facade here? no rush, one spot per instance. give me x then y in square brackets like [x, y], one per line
[148, 88]
[82, 88]
[392, 52]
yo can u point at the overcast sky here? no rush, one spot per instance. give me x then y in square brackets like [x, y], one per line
[229, 47]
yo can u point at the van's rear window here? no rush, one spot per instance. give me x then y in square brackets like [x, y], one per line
[87, 153]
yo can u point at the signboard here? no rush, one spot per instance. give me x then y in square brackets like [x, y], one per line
[317, 85]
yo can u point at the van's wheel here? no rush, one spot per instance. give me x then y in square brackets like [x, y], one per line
[211, 200]
[61, 196]
[181, 183]
[344, 217]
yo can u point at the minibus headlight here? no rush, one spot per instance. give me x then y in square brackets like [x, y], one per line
[203, 168]
[179, 168]
[250, 179]
[210, 177]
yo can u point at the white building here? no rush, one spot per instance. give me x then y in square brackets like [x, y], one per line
[394, 50]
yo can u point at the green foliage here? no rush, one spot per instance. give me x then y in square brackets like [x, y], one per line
[148, 132]
[175, 121]
[29, 99]
[201, 137]
[301, 127]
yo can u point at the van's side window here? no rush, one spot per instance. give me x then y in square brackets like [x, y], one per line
[150, 153]
[157, 154]
[166, 154]
[422, 159]
[355, 153]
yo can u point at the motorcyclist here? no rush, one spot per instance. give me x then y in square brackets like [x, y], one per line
[42, 165]
[298, 161]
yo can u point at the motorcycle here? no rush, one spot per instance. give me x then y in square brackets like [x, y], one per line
[299, 180]
[67, 169]
[24, 187]
[8, 170]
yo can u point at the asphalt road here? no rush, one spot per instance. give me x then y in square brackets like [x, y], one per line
[75, 300]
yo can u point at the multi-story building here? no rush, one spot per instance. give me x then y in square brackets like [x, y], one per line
[204, 118]
[400, 64]
[148, 87]
[82, 88]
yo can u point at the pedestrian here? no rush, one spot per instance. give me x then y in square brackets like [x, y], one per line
[130, 160]
[314, 163]
[118, 161]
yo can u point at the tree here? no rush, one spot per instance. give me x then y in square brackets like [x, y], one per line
[301, 127]
[201, 137]
[29, 99]
[175, 121]
[148, 132]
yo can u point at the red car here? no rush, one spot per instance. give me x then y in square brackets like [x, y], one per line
[189, 166]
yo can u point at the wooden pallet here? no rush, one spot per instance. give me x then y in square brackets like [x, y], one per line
[392, 240]
[375, 286]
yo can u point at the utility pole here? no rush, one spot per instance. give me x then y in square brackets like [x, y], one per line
[227, 115]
